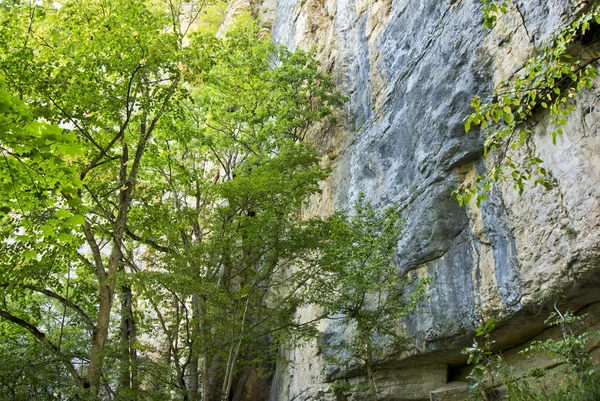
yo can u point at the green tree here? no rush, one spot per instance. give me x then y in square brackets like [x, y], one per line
[33, 228]
[234, 180]
[366, 290]
[162, 169]
[107, 73]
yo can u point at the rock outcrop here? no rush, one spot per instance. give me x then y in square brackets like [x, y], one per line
[410, 69]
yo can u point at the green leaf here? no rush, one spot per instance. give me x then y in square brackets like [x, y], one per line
[62, 214]
[77, 220]
[30, 254]
[47, 230]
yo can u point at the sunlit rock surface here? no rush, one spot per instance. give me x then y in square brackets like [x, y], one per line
[410, 69]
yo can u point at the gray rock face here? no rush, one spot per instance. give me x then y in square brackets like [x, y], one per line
[410, 69]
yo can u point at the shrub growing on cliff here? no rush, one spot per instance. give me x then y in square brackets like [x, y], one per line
[365, 290]
[579, 381]
[549, 80]
[486, 374]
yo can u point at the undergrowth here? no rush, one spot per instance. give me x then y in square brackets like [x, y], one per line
[576, 379]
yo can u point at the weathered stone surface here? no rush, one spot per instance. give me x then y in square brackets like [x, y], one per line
[410, 69]
[408, 384]
[453, 391]
[523, 363]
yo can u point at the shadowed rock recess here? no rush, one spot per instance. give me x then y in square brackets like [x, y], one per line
[410, 69]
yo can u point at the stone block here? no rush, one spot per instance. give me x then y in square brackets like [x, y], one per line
[453, 391]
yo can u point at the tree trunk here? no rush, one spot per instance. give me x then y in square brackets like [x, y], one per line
[194, 358]
[106, 296]
[241, 384]
[99, 336]
[128, 336]
[234, 353]
[370, 374]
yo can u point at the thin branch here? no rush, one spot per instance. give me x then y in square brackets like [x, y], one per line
[87, 320]
[74, 122]
[99, 156]
[89, 236]
[107, 213]
[146, 135]
[149, 242]
[81, 382]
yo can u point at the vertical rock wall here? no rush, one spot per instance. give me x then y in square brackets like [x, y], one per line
[410, 69]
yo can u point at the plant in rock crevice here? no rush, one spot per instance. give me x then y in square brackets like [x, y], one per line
[581, 380]
[549, 80]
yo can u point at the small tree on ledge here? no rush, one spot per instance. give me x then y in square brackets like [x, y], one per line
[366, 290]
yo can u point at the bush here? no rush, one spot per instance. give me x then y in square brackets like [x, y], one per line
[578, 381]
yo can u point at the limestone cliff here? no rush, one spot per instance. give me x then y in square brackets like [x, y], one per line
[410, 69]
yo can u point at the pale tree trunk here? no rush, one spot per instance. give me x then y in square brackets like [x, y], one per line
[200, 360]
[194, 358]
[205, 357]
[234, 353]
[180, 364]
[370, 374]
[228, 367]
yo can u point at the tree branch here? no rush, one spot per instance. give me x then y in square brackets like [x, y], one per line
[88, 321]
[74, 122]
[146, 135]
[89, 236]
[81, 382]
[149, 242]
[129, 104]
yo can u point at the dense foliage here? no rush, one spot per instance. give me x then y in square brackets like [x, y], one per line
[153, 177]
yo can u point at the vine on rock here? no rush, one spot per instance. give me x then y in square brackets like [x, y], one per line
[549, 79]
[491, 9]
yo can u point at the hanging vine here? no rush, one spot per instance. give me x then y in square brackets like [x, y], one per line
[553, 76]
